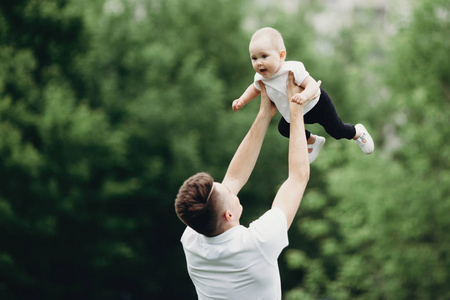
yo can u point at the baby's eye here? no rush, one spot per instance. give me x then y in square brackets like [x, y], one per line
[265, 56]
[253, 58]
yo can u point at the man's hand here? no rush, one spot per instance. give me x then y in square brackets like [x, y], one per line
[267, 106]
[293, 89]
[299, 96]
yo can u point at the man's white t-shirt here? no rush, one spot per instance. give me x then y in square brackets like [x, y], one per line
[240, 263]
[276, 87]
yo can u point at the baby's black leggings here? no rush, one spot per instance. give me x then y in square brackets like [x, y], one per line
[326, 115]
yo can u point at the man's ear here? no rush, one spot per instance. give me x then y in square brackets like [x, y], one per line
[228, 215]
[283, 55]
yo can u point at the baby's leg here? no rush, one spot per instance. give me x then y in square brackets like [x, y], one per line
[325, 113]
[284, 128]
[313, 147]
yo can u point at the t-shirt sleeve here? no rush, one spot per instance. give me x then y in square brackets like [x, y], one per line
[256, 80]
[187, 235]
[270, 233]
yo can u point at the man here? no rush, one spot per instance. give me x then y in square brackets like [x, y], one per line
[224, 259]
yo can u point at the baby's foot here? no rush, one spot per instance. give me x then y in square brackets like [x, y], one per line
[314, 148]
[364, 141]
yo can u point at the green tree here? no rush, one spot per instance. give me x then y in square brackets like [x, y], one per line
[106, 107]
[57, 155]
[378, 229]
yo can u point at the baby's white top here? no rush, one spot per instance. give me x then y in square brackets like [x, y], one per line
[276, 87]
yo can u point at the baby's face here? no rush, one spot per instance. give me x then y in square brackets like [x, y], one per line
[266, 60]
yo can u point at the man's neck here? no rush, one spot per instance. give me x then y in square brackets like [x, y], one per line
[226, 226]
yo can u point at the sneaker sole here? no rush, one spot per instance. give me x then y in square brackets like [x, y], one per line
[369, 145]
[317, 146]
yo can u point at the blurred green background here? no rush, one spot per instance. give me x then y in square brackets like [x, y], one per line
[107, 106]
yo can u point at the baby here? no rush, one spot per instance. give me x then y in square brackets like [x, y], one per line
[268, 54]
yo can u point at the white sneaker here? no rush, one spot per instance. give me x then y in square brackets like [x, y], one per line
[316, 147]
[365, 141]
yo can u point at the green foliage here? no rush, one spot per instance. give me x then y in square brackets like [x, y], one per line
[106, 106]
[383, 230]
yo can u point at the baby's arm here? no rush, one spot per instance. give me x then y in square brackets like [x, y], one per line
[311, 91]
[250, 93]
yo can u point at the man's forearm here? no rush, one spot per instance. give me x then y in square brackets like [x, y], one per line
[291, 191]
[298, 153]
[245, 158]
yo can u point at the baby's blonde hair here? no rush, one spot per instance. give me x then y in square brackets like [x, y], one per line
[273, 35]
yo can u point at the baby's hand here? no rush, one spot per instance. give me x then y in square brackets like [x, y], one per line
[237, 104]
[299, 98]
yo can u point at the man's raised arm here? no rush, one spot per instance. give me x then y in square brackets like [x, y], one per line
[291, 192]
[244, 160]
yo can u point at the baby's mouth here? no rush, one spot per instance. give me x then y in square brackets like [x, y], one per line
[263, 70]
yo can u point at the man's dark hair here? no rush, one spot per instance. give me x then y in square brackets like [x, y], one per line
[196, 204]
